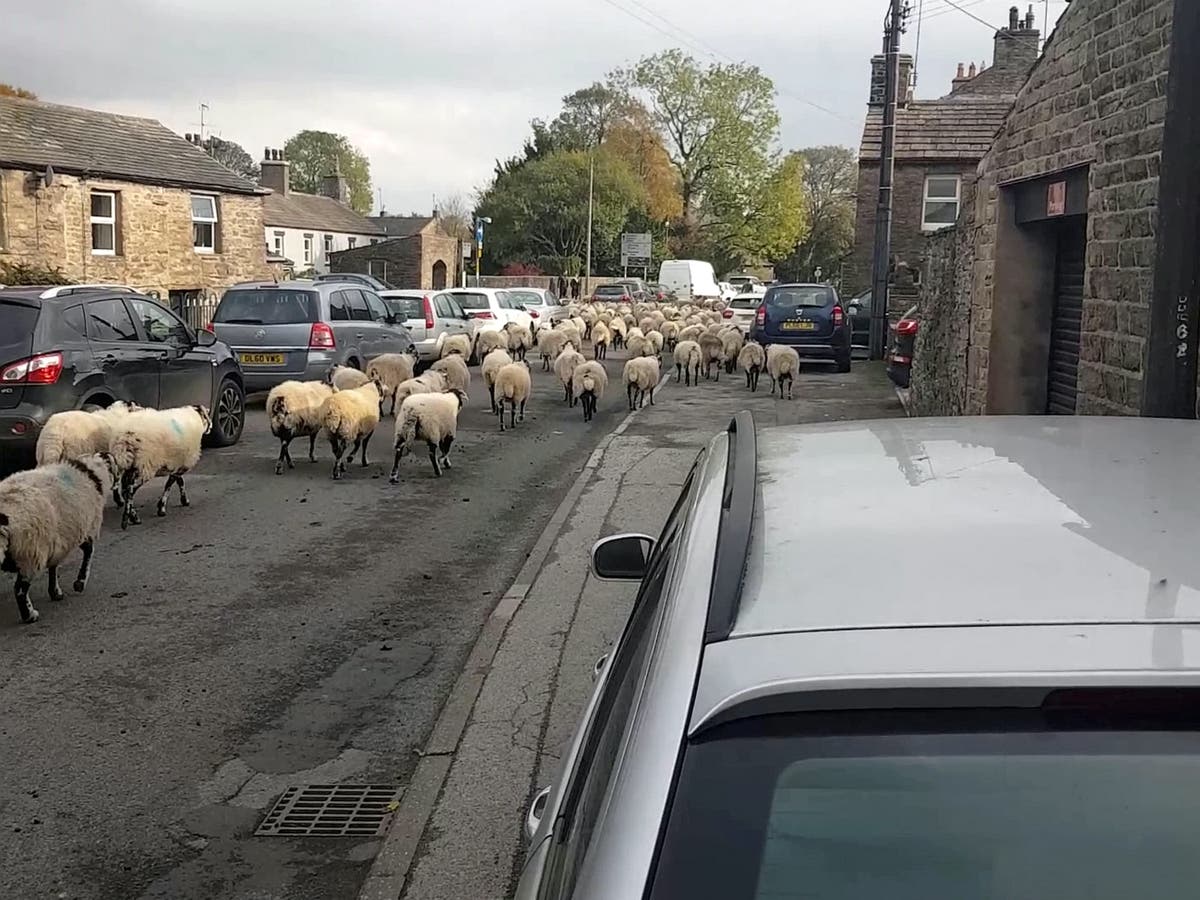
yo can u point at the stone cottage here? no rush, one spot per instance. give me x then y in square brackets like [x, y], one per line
[121, 199]
[416, 253]
[939, 143]
[1058, 291]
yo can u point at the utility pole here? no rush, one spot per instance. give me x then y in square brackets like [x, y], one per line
[881, 265]
[587, 281]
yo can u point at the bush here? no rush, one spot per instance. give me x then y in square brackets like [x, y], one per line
[518, 268]
[15, 273]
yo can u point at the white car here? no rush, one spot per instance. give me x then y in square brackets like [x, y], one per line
[541, 305]
[491, 307]
[742, 308]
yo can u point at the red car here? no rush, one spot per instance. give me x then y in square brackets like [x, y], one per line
[613, 293]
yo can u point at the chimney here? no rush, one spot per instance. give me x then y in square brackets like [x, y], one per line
[879, 79]
[1017, 45]
[335, 186]
[961, 72]
[275, 172]
[1013, 18]
[972, 72]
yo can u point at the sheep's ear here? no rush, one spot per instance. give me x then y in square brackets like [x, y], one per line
[3, 520]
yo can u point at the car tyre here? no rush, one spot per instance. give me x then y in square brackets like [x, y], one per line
[229, 414]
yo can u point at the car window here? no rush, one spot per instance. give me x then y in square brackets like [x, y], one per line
[456, 309]
[472, 301]
[525, 298]
[73, 318]
[108, 320]
[442, 303]
[359, 312]
[379, 311]
[267, 306]
[406, 308]
[159, 325]
[745, 302]
[791, 298]
[339, 310]
[503, 298]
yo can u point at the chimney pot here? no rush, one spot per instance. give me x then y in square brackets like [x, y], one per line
[971, 71]
[1029, 19]
[962, 71]
[275, 172]
[1014, 16]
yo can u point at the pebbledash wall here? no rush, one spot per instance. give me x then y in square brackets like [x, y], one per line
[50, 226]
[1094, 105]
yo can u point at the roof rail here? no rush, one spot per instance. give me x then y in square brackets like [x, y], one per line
[733, 533]
[64, 290]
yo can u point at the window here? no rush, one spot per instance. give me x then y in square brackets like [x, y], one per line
[268, 306]
[204, 223]
[442, 304]
[277, 243]
[379, 311]
[358, 306]
[160, 326]
[942, 195]
[108, 320]
[104, 223]
[73, 318]
[328, 244]
[339, 310]
[377, 268]
[374, 241]
[308, 248]
[352, 242]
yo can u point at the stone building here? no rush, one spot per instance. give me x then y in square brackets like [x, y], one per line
[417, 253]
[938, 145]
[1040, 300]
[109, 198]
[304, 230]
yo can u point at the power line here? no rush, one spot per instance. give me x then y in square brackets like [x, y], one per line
[969, 14]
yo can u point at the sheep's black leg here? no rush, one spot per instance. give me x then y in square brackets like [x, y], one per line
[161, 507]
[366, 441]
[56, 591]
[678, 371]
[312, 449]
[512, 414]
[629, 389]
[337, 445]
[501, 413]
[651, 393]
[183, 497]
[395, 476]
[433, 458]
[29, 615]
[522, 417]
[447, 443]
[85, 569]
[393, 410]
[129, 515]
[353, 452]
[747, 379]
[571, 391]
[284, 456]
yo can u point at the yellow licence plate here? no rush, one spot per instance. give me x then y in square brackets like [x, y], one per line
[261, 359]
[799, 326]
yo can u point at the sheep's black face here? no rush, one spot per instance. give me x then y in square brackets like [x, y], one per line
[205, 417]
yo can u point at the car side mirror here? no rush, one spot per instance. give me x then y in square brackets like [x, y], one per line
[622, 557]
[205, 338]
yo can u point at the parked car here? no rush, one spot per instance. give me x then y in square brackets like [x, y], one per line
[613, 293]
[430, 318]
[859, 312]
[808, 317]
[904, 345]
[86, 346]
[742, 309]
[740, 281]
[358, 278]
[689, 279]
[999, 712]
[659, 292]
[541, 305]
[298, 329]
[637, 287]
[491, 307]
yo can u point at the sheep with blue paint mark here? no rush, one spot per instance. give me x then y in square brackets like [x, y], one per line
[154, 442]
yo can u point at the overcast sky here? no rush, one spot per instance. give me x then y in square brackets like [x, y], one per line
[434, 92]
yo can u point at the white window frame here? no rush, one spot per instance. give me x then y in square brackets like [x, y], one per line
[204, 220]
[928, 226]
[308, 249]
[351, 243]
[110, 221]
[277, 242]
[327, 244]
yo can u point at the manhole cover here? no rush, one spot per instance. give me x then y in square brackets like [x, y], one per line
[331, 810]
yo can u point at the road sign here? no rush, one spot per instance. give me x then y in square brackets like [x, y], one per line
[479, 232]
[636, 249]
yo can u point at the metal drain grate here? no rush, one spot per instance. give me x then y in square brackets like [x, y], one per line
[331, 810]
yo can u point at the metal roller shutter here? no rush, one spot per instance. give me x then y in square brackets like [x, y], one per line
[1067, 320]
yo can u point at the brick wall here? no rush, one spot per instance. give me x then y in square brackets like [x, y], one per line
[50, 226]
[1096, 98]
[409, 261]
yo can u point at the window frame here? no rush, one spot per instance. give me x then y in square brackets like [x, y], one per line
[277, 238]
[308, 250]
[110, 221]
[133, 339]
[183, 339]
[351, 242]
[211, 248]
[926, 199]
[354, 311]
[327, 243]
[379, 310]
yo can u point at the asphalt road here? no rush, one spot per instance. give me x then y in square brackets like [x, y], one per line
[281, 630]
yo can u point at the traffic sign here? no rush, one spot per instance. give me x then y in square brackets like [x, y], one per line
[636, 249]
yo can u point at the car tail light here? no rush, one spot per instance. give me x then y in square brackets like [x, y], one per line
[907, 326]
[839, 316]
[321, 337]
[43, 369]
[481, 315]
[727, 314]
[208, 326]
[760, 317]
[532, 313]
[428, 313]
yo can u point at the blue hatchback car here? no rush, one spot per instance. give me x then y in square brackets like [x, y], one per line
[807, 317]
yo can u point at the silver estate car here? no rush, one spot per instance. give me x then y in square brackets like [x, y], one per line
[909, 659]
[298, 329]
[430, 317]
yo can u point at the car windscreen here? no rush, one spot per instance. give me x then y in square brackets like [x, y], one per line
[268, 306]
[16, 330]
[789, 298]
[525, 298]
[406, 307]
[749, 301]
[1009, 805]
[472, 301]
[608, 290]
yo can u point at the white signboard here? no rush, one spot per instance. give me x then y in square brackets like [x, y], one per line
[636, 249]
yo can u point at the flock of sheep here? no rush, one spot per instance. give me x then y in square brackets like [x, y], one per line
[83, 457]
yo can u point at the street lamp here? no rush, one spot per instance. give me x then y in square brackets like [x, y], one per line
[480, 221]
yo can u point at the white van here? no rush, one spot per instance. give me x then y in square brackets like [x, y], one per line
[690, 279]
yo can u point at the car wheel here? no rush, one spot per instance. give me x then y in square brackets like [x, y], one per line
[229, 414]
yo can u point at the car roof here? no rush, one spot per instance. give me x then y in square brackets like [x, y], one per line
[407, 292]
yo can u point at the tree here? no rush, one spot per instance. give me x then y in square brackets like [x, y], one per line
[454, 212]
[315, 154]
[538, 146]
[588, 115]
[830, 180]
[233, 157]
[636, 142]
[11, 90]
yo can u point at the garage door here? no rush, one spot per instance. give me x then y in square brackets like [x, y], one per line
[1067, 320]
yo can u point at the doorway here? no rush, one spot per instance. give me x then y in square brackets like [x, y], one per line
[1062, 383]
[439, 276]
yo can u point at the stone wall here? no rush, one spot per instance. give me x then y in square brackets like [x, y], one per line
[50, 226]
[405, 263]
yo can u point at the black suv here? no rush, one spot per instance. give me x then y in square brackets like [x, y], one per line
[84, 346]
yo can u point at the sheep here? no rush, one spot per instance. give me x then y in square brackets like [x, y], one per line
[45, 513]
[647, 323]
[687, 362]
[751, 360]
[783, 364]
[351, 416]
[390, 370]
[619, 330]
[588, 383]
[493, 363]
[640, 377]
[600, 340]
[574, 335]
[564, 368]
[550, 345]
[580, 326]
[711, 350]
[153, 442]
[731, 345]
[630, 320]
[670, 333]
[294, 410]
[432, 418]
[455, 343]
[514, 385]
[454, 369]
[74, 434]
[489, 340]
[519, 340]
[344, 378]
[429, 383]
[690, 333]
[656, 341]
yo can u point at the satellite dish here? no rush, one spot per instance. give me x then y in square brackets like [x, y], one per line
[48, 176]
